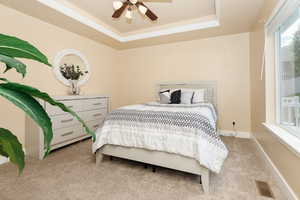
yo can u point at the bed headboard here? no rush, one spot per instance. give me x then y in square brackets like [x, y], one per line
[210, 86]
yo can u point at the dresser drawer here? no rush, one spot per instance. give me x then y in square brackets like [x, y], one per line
[93, 114]
[94, 125]
[65, 134]
[72, 104]
[93, 104]
[63, 121]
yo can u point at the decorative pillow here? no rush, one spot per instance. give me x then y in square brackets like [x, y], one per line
[175, 97]
[164, 97]
[186, 96]
[198, 96]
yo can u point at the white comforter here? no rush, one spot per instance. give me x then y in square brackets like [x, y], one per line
[187, 130]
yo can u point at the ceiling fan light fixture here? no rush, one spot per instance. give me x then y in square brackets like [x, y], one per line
[129, 6]
[128, 14]
[142, 9]
[117, 5]
[133, 1]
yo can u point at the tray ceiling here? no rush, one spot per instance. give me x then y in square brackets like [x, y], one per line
[168, 11]
[180, 20]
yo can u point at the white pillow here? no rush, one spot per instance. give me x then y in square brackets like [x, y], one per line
[198, 96]
[164, 97]
[186, 96]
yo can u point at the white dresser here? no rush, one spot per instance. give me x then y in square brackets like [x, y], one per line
[66, 129]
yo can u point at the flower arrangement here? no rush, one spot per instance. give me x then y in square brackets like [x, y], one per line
[70, 72]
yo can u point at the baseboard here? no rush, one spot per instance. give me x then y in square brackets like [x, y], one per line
[238, 134]
[283, 185]
[3, 160]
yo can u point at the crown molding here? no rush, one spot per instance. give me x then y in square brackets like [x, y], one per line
[132, 37]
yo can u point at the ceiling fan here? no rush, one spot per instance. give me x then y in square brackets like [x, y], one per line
[120, 7]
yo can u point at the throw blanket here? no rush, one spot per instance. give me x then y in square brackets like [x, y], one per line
[187, 130]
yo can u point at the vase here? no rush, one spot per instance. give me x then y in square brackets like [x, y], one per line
[74, 89]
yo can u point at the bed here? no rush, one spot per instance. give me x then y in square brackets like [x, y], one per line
[179, 137]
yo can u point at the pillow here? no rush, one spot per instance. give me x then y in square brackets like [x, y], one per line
[175, 97]
[164, 97]
[186, 96]
[198, 96]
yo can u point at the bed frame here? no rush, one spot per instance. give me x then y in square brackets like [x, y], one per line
[164, 159]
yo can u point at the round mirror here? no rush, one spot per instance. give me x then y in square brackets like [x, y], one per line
[69, 66]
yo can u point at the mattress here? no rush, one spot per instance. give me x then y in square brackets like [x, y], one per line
[187, 130]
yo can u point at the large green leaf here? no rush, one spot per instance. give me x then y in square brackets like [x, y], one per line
[32, 108]
[2, 152]
[3, 79]
[44, 96]
[11, 147]
[17, 48]
[13, 63]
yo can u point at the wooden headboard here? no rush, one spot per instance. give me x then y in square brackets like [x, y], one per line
[210, 87]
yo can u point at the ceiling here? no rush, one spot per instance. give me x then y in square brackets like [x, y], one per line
[179, 20]
[168, 11]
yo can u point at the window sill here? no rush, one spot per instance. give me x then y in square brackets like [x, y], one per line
[286, 138]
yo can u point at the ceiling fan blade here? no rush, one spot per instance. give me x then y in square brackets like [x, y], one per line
[148, 13]
[119, 12]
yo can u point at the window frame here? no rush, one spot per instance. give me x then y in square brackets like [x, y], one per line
[278, 73]
[282, 12]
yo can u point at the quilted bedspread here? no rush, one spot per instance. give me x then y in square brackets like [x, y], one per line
[187, 130]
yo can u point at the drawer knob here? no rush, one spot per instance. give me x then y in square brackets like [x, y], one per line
[98, 114]
[68, 133]
[96, 126]
[67, 120]
[97, 104]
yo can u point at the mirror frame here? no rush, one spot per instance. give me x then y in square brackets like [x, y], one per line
[56, 66]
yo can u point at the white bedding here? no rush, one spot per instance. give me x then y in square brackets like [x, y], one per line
[187, 130]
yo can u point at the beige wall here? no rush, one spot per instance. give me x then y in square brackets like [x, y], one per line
[51, 39]
[286, 161]
[130, 76]
[225, 59]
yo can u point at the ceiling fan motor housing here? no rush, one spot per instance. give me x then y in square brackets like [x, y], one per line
[120, 6]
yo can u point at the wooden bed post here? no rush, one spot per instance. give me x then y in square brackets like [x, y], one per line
[205, 181]
[99, 157]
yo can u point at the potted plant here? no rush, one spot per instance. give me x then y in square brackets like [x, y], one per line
[73, 74]
[25, 98]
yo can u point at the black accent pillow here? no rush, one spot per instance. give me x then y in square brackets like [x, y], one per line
[175, 97]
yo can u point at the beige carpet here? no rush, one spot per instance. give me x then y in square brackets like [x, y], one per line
[71, 174]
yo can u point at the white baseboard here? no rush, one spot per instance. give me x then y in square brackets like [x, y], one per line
[283, 185]
[238, 134]
[3, 160]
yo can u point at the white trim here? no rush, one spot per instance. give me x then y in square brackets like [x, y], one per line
[237, 134]
[177, 29]
[86, 21]
[286, 138]
[3, 160]
[56, 66]
[275, 11]
[277, 77]
[82, 19]
[283, 10]
[218, 9]
[283, 185]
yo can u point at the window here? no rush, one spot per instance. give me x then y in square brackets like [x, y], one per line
[288, 76]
